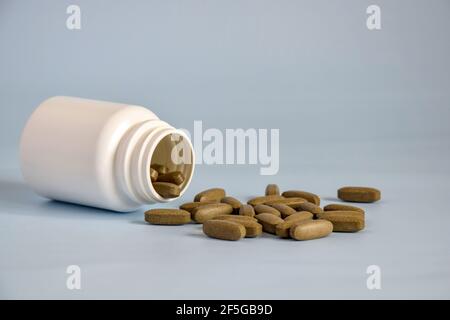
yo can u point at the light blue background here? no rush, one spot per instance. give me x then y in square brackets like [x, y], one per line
[354, 107]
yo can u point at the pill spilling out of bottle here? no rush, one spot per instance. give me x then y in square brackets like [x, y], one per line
[293, 214]
[166, 183]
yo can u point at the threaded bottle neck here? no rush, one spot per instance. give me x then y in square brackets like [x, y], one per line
[149, 142]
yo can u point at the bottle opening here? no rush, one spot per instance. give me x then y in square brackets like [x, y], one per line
[173, 160]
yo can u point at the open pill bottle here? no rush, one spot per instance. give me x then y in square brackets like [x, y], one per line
[99, 153]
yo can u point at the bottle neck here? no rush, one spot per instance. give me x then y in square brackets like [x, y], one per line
[152, 141]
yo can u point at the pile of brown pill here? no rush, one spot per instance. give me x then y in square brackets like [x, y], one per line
[292, 214]
[166, 183]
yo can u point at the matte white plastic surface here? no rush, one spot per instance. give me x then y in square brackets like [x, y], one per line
[69, 151]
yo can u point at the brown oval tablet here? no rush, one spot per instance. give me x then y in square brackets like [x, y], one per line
[342, 207]
[247, 210]
[263, 208]
[161, 169]
[167, 216]
[263, 199]
[298, 216]
[252, 228]
[224, 230]
[189, 206]
[291, 202]
[210, 211]
[213, 194]
[153, 175]
[345, 221]
[282, 229]
[175, 177]
[272, 189]
[269, 221]
[359, 194]
[311, 197]
[233, 202]
[310, 207]
[284, 209]
[166, 189]
[311, 229]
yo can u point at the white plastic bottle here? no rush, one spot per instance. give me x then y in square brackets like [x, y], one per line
[99, 153]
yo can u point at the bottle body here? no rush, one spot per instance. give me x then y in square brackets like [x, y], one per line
[72, 150]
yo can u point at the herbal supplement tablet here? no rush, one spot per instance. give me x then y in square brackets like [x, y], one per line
[233, 202]
[311, 229]
[263, 199]
[311, 197]
[284, 209]
[291, 202]
[345, 221]
[359, 194]
[160, 168]
[252, 228]
[262, 208]
[224, 230]
[272, 189]
[247, 210]
[167, 216]
[166, 189]
[235, 217]
[342, 207]
[310, 207]
[302, 215]
[175, 177]
[189, 206]
[153, 175]
[210, 211]
[269, 221]
[213, 194]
